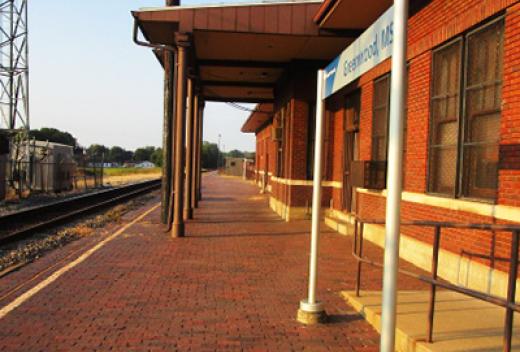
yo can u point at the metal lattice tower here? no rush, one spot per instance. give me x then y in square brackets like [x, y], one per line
[14, 65]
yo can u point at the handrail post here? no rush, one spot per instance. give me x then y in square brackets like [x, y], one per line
[433, 287]
[359, 262]
[511, 292]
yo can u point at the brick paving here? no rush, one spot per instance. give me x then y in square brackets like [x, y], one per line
[233, 284]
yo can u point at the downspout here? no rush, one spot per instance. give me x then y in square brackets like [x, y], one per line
[166, 47]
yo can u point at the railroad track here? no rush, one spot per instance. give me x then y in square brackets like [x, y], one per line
[22, 224]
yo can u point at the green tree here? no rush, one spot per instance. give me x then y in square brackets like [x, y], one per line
[250, 155]
[144, 154]
[53, 135]
[97, 151]
[210, 153]
[128, 156]
[157, 157]
[235, 154]
[118, 155]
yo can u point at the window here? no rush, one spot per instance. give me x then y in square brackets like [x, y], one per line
[381, 111]
[405, 125]
[380, 118]
[311, 138]
[463, 159]
[280, 139]
[444, 119]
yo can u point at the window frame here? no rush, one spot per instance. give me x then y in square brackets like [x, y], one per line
[458, 187]
[459, 39]
[464, 88]
[372, 138]
[311, 140]
[280, 147]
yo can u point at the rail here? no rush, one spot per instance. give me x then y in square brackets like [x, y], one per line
[508, 303]
[21, 224]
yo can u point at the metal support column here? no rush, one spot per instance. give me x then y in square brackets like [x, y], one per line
[311, 310]
[201, 139]
[190, 117]
[180, 135]
[166, 190]
[394, 179]
[195, 156]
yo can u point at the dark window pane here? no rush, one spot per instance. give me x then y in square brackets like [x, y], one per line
[380, 118]
[311, 139]
[483, 98]
[444, 119]
[442, 178]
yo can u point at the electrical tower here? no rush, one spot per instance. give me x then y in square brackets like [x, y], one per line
[14, 66]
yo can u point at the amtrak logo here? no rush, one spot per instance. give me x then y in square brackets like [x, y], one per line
[330, 73]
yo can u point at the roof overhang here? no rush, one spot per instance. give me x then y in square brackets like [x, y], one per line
[353, 14]
[240, 51]
[258, 118]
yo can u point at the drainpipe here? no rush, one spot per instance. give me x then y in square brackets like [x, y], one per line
[166, 191]
[201, 141]
[311, 310]
[147, 44]
[190, 115]
[394, 179]
[195, 156]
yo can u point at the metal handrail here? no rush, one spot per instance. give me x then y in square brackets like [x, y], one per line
[508, 303]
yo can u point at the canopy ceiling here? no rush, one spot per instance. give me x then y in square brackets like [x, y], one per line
[240, 51]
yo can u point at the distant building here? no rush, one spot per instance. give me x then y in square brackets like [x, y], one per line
[46, 166]
[145, 165]
[237, 166]
[109, 165]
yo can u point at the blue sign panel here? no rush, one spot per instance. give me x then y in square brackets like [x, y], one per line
[370, 49]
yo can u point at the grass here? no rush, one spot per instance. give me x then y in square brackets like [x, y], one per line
[123, 171]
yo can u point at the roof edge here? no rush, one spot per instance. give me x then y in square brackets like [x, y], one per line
[323, 11]
[258, 110]
[229, 4]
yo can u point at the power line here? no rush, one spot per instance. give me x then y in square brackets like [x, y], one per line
[244, 108]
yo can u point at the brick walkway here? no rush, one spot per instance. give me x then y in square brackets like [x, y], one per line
[233, 284]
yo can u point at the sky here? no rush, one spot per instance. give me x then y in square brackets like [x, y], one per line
[87, 77]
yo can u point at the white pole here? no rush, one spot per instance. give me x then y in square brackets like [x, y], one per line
[311, 305]
[394, 179]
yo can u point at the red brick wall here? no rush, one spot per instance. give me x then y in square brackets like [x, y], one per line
[337, 164]
[297, 154]
[264, 151]
[462, 242]
[435, 24]
[418, 123]
[509, 178]
[295, 93]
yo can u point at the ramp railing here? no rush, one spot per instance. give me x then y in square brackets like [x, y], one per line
[509, 303]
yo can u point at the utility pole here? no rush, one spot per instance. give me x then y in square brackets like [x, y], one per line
[14, 82]
[14, 66]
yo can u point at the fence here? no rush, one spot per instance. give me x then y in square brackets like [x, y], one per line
[21, 178]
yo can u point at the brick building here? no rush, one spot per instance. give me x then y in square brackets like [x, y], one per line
[462, 147]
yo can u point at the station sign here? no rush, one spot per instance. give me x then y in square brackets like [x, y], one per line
[369, 50]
